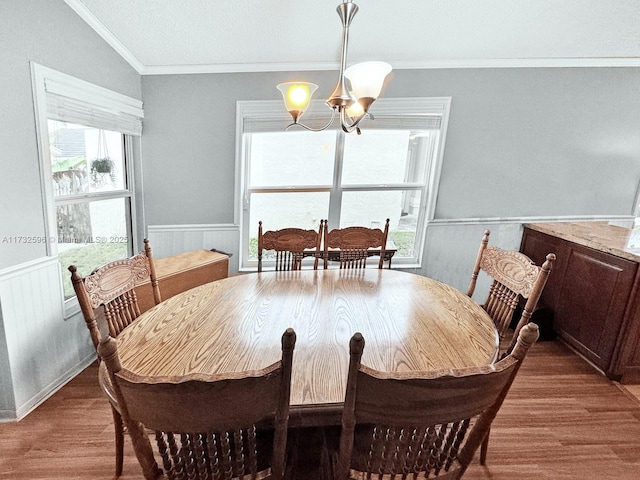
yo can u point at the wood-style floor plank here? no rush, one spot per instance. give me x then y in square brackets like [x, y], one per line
[562, 420]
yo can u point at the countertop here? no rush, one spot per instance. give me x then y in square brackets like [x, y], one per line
[619, 241]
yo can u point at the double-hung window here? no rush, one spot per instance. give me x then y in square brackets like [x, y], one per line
[86, 134]
[297, 177]
[91, 196]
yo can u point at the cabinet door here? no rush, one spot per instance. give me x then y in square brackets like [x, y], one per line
[592, 301]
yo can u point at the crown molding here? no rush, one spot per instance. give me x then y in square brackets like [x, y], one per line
[105, 33]
[582, 62]
[238, 68]
[414, 65]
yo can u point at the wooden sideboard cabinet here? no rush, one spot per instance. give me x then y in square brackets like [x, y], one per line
[181, 272]
[593, 292]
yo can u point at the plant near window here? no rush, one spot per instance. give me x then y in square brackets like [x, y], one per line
[102, 164]
[100, 167]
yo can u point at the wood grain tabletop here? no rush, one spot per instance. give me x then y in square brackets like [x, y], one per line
[409, 322]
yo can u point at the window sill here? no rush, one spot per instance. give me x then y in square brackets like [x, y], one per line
[71, 308]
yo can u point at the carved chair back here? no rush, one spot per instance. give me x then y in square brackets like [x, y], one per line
[289, 245]
[420, 424]
[514, 277]
[111, 289]
[353, 244]
[206, 426]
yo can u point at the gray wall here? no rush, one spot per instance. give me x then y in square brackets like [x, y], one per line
[39, 349]
[189, 142]
[50, 33]
[521, 142]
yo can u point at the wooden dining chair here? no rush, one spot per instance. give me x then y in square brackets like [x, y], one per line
[206, 426]
[288, 245]
[109, 303]
[514, 277]
[419, 424]
[353, 244]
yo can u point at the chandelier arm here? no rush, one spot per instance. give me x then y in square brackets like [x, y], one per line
[298, 124]
[348, 127]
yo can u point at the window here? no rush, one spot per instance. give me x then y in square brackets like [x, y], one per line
[91, 197]
[296, 178]
[85, 135]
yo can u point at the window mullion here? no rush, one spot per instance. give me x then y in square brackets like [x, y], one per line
[335, 197]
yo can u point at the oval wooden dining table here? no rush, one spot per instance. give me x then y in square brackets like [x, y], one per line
[409, 323]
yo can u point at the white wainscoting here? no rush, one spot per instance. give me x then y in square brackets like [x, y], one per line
[450, 248]
[167, 240]
[39, 350]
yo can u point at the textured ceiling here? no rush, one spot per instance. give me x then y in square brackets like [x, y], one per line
[186, 36]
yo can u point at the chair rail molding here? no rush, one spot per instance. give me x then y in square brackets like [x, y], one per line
[451, 245]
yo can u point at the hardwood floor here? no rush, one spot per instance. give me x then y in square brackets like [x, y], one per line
[561, 420]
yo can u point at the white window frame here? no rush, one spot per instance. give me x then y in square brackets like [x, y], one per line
[636, 204]
[273, 112]
[114, 110]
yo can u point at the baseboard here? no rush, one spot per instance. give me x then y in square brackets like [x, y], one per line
[564, 341]
[7, 416]
[628, 393]
[37, 400]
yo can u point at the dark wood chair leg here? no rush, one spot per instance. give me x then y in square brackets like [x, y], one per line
[118, 426]
[483, 449]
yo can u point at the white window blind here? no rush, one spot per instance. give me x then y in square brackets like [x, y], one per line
[384, 122]
[407, 114]
[69, 99]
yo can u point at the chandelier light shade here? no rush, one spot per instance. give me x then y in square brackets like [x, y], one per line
[297, 96]
[350, 104]
[366, 80]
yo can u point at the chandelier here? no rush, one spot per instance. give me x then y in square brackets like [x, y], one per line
[366, 80]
